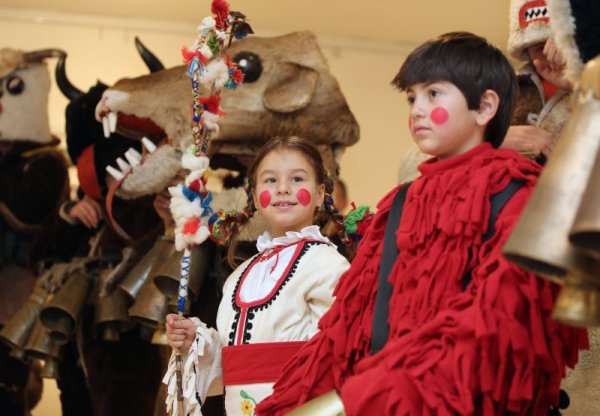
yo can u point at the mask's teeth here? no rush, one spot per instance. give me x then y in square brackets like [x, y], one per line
[134, 154]
[112, 121]
[117, 175]
[106, 126]
[150, 147]
[132, 159]
[124, 166]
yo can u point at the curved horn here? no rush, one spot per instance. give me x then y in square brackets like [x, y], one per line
[151, 61]
[68, 89]
[39, 55]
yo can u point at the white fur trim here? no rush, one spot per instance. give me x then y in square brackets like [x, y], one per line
[199, 237]
[216, 71]
[153, 175]
[211, 120]
[563, 27]
[520, 38]
[192, 162]
[207, 24]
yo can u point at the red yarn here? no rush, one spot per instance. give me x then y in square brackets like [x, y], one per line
[192, 226]
[211, 104]
[220, 8]
[189, 55]
[195, 186]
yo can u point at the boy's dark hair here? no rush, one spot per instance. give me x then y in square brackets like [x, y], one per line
[470, 63]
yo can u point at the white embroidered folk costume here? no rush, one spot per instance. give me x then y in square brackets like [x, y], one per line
[271, 305]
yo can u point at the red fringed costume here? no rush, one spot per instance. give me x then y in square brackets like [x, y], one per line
[488, 350]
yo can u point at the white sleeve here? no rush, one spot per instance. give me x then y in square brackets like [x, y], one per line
[319, 298]
[201, 373]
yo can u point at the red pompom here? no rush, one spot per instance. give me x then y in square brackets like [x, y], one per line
[211, 104]
[195, 186]
[221, 10]
[192, 226]
[237, 75]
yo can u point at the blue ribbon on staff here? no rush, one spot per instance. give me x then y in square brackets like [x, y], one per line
[182, 293]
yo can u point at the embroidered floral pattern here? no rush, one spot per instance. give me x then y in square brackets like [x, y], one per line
[248, 404]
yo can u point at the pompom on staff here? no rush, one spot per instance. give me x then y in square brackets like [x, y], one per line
[209, 69]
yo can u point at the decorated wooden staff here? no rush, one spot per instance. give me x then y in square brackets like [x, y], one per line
[209, 69]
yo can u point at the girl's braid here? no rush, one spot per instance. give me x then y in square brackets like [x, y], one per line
[223, 224]
[333, 211]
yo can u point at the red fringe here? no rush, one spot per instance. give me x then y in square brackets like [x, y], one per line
[220, 8]
[211, 104]
[189, 55]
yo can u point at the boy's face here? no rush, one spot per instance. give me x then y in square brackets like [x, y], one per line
[439, 120]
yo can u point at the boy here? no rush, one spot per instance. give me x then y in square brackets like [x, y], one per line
[460, 330]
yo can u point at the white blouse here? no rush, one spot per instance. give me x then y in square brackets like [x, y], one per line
[278, 295]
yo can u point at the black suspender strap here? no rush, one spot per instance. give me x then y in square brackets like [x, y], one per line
[497, 202]
[389, 254]
[380, 330]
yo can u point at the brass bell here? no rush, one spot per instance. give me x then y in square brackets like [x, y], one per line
[134, 280]
[167, 278]
[172, 306]
[16, 332]
[578, 303]
[110, 277]
[150, 306]
[110, 314]
[51, 368]
[539, 242]
[18, 354]
[585, 232]
[166, 274]
[40, 344]
[160, 335]
[61, 313]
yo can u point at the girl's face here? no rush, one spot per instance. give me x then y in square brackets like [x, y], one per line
[286, 191]
[439, 120]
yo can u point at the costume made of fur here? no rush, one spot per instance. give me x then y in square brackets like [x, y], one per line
[538, 103]
[488, 348]
[33, 183]
[121, 367]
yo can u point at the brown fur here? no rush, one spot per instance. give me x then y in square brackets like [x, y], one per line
[295, 95]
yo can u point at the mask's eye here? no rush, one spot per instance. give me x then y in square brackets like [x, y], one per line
[249, 63]
[15, 85]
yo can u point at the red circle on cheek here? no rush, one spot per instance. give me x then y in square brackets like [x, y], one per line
[303, 196]
[439, 115]
[264, 198]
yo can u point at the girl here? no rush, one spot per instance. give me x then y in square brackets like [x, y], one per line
[272, 302]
